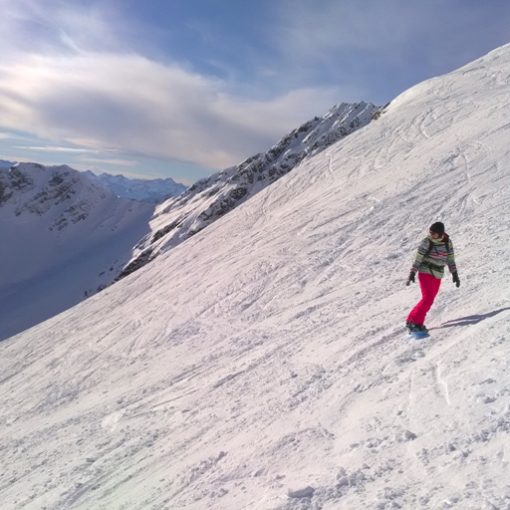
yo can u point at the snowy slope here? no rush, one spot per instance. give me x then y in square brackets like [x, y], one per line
[62, 238]
[143, 190]
[262, 364]
[183, 216]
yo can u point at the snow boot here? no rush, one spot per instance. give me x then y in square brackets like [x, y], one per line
[412, 327]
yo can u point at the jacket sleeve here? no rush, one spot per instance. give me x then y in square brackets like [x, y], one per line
[420, 254]
[451, 259]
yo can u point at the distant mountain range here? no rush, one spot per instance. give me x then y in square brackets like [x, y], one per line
[143, 190]
[63, 237]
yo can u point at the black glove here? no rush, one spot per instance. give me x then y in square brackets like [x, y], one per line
[455, 278]
[411, 278]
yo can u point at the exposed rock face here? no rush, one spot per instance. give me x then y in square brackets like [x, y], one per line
[11, 181]
[181, 217]
[135, 264]
[31, 188]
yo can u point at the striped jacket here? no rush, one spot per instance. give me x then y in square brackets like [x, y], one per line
[433, 255]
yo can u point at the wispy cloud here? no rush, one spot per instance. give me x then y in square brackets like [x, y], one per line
[93, 76]
[83, 156]
[104, 101]
[51, 148]
[110, 161]
[73, 81]
[55, 26]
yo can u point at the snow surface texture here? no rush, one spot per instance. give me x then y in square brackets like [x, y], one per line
[143, 190]
[263, 363]
[62, 238]
[209, 199]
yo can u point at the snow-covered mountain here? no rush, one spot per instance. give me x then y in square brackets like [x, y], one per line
[143, 190]
[263, 364]
[5, 164]
[181, 217]
[62, 238]
[54, 193]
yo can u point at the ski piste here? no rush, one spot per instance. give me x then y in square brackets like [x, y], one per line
[157, 392]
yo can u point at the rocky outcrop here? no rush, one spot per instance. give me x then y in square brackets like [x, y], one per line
[35, 189]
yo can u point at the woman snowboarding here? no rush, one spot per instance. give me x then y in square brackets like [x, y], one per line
[434, 253]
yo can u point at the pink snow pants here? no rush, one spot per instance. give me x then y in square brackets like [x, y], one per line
[429, 289]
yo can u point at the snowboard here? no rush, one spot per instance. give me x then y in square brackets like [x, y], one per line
[418, 335]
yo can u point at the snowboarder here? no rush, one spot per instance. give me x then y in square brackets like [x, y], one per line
[434, 253]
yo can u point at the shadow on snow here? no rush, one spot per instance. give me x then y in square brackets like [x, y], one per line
[472, 319]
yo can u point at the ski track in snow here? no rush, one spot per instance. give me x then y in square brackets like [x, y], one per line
[263, 363]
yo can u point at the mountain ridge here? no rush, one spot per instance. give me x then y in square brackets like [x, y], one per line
[209, 199]
[143, 190]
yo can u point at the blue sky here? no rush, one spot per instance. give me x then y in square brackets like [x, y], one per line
[182, 88]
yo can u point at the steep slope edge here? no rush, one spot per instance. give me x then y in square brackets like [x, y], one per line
[209, 199]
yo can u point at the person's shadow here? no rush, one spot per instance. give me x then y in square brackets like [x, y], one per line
[472, 319]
